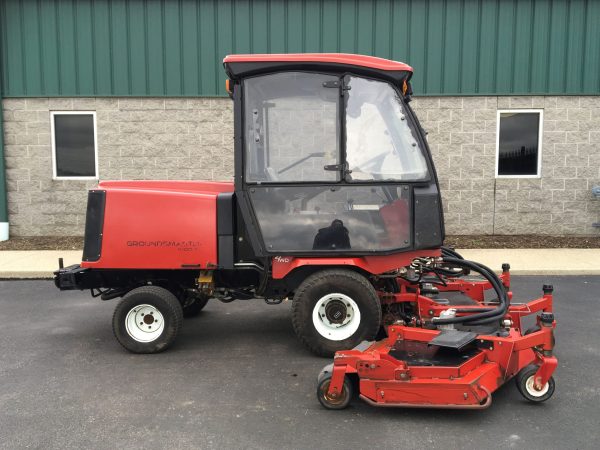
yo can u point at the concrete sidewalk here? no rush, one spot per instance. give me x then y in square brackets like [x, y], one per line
[36, 263]
[559, 261]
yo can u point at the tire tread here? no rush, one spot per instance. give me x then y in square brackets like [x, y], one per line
[298, 305]
[170, 302]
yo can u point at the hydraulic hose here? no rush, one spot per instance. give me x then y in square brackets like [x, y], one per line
[451, 253]
[448, 252]
[489, 315]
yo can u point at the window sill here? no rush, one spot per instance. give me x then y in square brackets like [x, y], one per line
[518, 176]
[75, 178]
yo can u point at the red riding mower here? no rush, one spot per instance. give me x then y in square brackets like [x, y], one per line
[335, 204]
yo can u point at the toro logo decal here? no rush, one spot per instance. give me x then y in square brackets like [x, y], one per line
[283, 259]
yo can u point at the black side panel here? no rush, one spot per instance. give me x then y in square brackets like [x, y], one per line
[226, 227]
[428, 224]
[226, 252]
[225, 213]
[94, 223]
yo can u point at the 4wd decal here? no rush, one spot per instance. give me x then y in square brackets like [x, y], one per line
[282, 259]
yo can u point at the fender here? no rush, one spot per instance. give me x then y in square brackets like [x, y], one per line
[283, 265]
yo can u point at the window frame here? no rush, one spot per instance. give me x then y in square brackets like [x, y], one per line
[53, 143]
[540, 113]
[412, 125]
[339, 127]
[412, 120]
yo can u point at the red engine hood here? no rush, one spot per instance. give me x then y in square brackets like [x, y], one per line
[159, 225]
[176, 186]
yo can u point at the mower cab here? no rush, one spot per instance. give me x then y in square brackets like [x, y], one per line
[329, 158]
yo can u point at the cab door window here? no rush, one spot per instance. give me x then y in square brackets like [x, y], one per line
[292, 128]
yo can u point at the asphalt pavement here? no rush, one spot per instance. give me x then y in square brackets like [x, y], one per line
[237, 378]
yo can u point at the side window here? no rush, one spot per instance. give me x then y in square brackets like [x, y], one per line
[291, 129]
[74, 152]
[380, 145]
[519, 143]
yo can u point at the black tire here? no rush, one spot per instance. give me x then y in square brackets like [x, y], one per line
[340, 402]
[329, 282]
[535, 329]
[524, 380]
[194, 306]
[154, 297]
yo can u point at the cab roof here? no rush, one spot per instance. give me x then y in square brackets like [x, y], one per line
[349, 59]
[242, 66]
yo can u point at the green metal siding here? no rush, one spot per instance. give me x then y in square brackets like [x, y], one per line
[175, 48]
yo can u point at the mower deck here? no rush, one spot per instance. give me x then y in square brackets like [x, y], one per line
[419, 365]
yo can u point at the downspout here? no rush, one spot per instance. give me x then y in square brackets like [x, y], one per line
[3, 193]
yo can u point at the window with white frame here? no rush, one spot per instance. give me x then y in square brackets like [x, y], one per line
[74, 150]
[519, 143]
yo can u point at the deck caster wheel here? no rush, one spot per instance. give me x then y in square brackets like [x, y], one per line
[147, 320]
[526, 385]
[340, 401]
[335, 310]
[193, 306]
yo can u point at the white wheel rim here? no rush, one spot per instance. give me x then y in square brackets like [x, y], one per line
[144, 323]
[336, 317]
[531, 390]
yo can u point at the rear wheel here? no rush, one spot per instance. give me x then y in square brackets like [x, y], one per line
[335, 310]
[147, 320]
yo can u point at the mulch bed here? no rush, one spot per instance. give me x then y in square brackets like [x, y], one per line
[43, 243]
[523, 241]
[475, 241]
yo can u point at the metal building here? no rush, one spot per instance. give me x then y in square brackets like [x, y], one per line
[509, 91]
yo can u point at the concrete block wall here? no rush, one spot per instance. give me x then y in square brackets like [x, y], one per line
[175, 138]
[138, 138]
[462, 138]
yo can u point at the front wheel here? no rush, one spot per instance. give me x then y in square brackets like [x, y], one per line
[335, 310]
[147, 320]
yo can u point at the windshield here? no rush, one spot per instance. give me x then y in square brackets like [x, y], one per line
[380, 145]
[292, 127]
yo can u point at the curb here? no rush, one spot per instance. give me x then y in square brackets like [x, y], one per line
[11, 276]
[15, 276]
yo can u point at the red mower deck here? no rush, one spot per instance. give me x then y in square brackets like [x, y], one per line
[418, 367]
